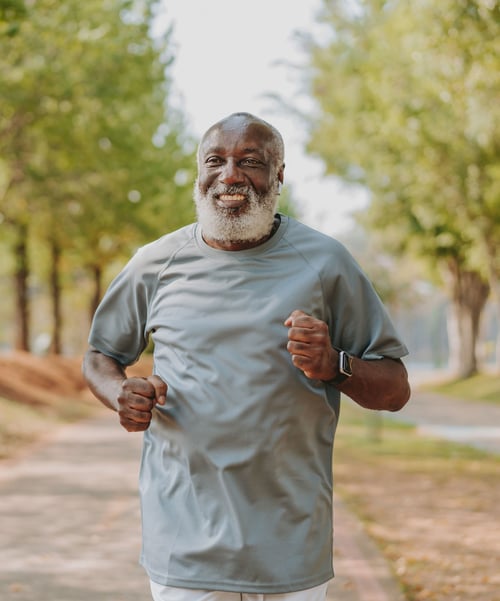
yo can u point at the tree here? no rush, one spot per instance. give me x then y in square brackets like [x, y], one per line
[91, 150]
[406, 106]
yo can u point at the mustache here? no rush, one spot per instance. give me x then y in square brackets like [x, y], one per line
[219, 188]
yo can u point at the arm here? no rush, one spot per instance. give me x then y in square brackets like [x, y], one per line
[132, 398]
[375, 384]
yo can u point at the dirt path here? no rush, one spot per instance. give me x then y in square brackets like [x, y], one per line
[70, 519]
[70, 525]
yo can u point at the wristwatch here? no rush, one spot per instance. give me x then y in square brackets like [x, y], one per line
[344, 367]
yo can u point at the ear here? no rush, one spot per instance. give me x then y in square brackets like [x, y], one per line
[281, 174]
[281, 178]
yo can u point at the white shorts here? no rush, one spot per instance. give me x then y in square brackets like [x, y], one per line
[161, 592]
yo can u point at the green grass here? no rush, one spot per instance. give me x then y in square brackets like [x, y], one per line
[369, 435]
[481, 387]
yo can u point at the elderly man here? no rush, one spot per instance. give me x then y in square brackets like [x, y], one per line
[258, 324]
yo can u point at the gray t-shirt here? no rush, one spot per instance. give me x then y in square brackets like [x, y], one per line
[236, 472]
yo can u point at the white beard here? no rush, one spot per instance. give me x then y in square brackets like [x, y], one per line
[251, 223]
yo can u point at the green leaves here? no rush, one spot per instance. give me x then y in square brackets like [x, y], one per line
[89, 146]
[408, 97]
[11, 14]
[408, 94]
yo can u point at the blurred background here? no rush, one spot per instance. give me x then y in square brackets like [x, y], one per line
[390, 116]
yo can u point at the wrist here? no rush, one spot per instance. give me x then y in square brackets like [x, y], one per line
[344, 368]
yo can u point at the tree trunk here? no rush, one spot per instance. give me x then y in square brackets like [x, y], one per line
[495, 287]
[21, 274]
[96, 297]
[494, 279]
[468, 294]
[497, 345]
[55, 292]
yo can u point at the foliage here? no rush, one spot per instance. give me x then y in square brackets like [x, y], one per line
[286, 202]
[407, 96]
[82, 109]
[92, 159]
[11, 14]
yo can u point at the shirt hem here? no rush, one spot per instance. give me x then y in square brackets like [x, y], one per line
[239, 587]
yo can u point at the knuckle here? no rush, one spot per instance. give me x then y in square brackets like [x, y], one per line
[132, 425]
[127, 384]
[298, 360]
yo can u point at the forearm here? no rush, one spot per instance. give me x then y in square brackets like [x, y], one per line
[104, 376]
[378, 384]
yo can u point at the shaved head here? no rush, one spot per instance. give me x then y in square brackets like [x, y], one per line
[240, 120]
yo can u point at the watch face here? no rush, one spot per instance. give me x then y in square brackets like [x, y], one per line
[345, 366]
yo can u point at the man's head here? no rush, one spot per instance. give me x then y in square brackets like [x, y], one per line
[240, 170]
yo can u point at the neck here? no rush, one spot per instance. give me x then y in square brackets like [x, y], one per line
[233, 245]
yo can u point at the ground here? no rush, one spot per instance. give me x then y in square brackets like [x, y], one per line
[40, 381]
[433, 511]
[432, 507]
[40, 393]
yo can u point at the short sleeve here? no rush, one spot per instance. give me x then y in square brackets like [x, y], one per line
[119, 325]
[359, 321]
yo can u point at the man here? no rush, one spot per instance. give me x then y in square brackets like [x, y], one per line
[258, 323]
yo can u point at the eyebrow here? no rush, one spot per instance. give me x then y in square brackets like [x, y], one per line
[248, 150]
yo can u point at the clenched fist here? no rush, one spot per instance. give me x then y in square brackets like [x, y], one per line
[137, 399]
[310, 346]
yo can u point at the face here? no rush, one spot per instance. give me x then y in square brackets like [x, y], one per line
[237, 186]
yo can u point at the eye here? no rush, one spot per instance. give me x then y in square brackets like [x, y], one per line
[213, 160]
[251, 162]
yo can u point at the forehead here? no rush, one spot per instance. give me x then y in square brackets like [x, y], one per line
[237, 136]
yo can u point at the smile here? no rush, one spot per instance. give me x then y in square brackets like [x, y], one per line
[231, 201]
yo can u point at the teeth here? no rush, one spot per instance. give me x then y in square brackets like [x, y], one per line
[232, 197]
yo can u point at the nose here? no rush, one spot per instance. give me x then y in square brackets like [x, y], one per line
[231, 174]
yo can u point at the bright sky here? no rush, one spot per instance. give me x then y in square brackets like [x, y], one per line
[229, 58]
